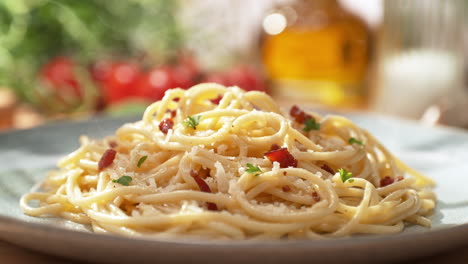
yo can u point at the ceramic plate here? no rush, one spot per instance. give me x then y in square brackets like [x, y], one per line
[440, 153]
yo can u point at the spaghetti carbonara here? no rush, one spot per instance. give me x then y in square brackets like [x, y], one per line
[219, 162]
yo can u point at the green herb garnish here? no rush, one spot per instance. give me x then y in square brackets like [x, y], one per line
[192, 121]
[141, 160]
[345, 176]
[124, 180]
[353, 140]
[253, 169]
[310, 124]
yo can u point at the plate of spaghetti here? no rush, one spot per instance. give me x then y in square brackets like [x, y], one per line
[215, 171]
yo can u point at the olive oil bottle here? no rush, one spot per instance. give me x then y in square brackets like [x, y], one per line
[316, 51]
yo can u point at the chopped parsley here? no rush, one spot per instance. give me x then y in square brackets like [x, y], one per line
[354, 141]
[253, 169]
[141, 160]
[192, 121]
[311, 124]
[124, 180]
[345, 175]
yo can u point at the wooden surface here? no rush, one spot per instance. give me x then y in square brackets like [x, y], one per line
[13, 254]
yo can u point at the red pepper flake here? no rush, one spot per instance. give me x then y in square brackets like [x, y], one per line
[176, 99]
[400, 178]
[326, 168]
[316, 196]
[274, 147]
[165, 125]
[204, 187]
[283, 157]
[113, 144]
[286, 188]
[285, 173]
[299, 115]
[387, 180]
[106, 159]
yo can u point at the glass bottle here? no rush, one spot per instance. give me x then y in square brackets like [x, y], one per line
[314, 50]
[420, 56]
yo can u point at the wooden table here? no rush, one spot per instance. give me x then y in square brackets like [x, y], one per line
[13, 254]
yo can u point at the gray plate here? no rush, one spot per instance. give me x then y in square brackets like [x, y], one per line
[440, 153]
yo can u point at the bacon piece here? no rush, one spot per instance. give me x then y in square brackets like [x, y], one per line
[283, 157]
[212, 206]
[172, 113]
[113, 144]
[204, 187]
[176, 99]
[204, 173]
[400, 178]
[217, 100]
[326, 168]
[387, 180]
[316, 196]
[295, 112]
[299, 115]
[165, 125]
[286, 188]
[274, 147]
[106, 159]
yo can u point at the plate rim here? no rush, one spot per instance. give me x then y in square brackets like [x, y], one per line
[6, 221]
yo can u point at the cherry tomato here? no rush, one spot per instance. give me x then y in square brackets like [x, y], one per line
[189, 64]
[121, 82]
[246, 78]
[183, 78]
[100, 70]
[217, 77]
[155, 83]
[186, 72]
[59, 73]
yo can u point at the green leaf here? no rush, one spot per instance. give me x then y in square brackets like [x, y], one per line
[141, 160]
[192, 121]
[253, 169]
[345, 175]
[355, 141]
[311, 124]
[124, 180]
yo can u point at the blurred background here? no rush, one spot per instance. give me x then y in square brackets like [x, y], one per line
[68, 59]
